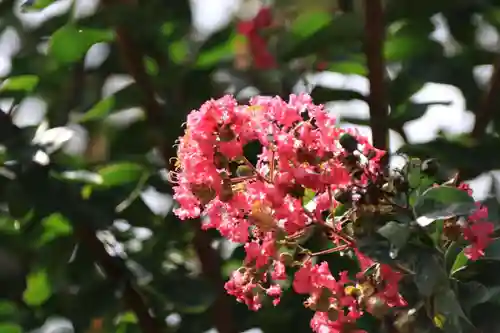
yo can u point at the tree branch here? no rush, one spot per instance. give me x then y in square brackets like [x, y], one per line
[114, 271]
[209, 258]
[377, 100]
[489, 103]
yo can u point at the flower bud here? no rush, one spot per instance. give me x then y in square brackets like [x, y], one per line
[376, 306]
[286, 258]
[348, 142]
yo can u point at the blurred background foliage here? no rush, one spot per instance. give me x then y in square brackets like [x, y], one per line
[93, 97]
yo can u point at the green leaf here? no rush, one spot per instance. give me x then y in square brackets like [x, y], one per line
[120, 173]
[56, 225]
[38, 289]
[308, 196]
[307, 23]
[323, 95]
[26, 83]
[38, 5]
[403, 47]
[442, 202]
[127, 317]
[446, 305]
[71, 43]
[429, 274]
[219, 46]
[151, 66]
[460, 262]
[99, 110]
[396, 233]
[179, 51]
[349, 68]
[492, 252]
[473, 293]
[7, 308]
[10, 328]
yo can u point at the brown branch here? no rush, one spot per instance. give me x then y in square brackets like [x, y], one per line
[377, 100]
[209, 258]
[489, 104]
[115, 272]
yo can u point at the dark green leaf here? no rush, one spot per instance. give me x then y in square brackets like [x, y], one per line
[492, 252]
[324, 95]
[10, 328]
[429, 274]
[71, 43]
[473, 293]
[396, 233]
[442, 202]
[446, 306]
[356, 121]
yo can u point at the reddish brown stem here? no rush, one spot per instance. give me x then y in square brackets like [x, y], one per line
[377, 100]
[328, 251]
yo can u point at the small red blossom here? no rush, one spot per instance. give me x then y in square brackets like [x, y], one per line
[252, 30]
[479, 235]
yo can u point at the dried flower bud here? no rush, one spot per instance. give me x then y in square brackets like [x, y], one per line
[244, 170]
[376, 306]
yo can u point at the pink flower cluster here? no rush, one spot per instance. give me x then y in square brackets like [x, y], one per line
[261, 204]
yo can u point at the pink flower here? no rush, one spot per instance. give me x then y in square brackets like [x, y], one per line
[320, 323]
[241, 287]
[275, 292]
[259, 253]
[302, 282]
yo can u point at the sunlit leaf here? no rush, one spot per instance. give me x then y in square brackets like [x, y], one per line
[71, 43]
[38, 288]
[25, 83]
[120, 173]
[99, 110]
[55, 226]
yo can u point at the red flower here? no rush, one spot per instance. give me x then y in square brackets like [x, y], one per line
[479, 234]
[252, 29]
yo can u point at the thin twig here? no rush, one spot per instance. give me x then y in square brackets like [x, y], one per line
[489, 104]
[377, 100]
